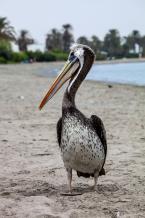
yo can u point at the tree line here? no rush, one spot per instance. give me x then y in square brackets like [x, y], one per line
[57, 44]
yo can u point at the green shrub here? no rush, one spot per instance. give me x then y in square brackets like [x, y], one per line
[101, 57]
[19, 57]
[49, 56]
[5, 49]
[3, 60]
[31, 55]
[132, 55]
[40, 56]
[60, 56]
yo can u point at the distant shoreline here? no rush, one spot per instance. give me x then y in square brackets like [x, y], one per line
[51, 69]
[121, 61]
[116, 61]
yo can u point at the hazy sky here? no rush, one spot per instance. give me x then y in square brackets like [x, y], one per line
[87, 17]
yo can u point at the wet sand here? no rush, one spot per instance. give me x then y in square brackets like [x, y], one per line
[32, 176]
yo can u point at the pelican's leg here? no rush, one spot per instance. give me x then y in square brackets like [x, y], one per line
[96, 175]
[69, 176]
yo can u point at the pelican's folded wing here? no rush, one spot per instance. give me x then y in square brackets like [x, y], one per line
[59, 130]
[100, 131]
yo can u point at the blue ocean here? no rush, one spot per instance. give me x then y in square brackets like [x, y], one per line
[126, 73]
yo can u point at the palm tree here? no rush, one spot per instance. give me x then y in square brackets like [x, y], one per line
[67, 37]
[125, 47]
[54, 40]
[143, 45]
[134, 39]
[6, 31]
[24, 40]
[83, 40]
[112, 43]
[95, 43]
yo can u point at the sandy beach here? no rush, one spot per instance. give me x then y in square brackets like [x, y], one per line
[32, 176]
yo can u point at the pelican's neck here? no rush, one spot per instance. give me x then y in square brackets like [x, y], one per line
[75, 82]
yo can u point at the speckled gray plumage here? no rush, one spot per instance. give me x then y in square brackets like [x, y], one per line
[81, 148]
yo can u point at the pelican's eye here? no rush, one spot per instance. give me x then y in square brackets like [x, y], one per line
[71, 56]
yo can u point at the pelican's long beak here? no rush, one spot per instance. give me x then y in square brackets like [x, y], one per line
[69, 68]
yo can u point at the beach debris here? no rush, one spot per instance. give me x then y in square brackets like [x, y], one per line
[4, 140]
[42, 154]
[21, 97]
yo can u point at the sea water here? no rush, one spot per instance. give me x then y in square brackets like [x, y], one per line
[126, 73]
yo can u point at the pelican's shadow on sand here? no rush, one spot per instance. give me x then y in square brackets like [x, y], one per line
[47, 189]
[100, 189]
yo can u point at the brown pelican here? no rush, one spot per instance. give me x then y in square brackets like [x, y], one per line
[82, 140]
